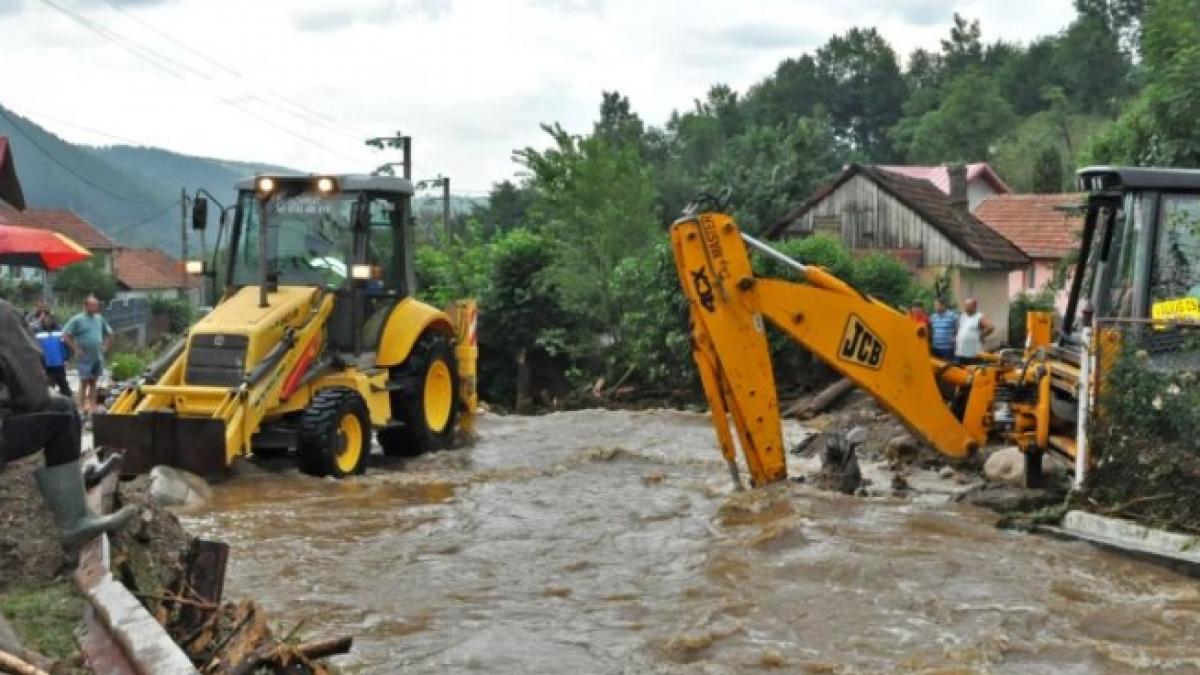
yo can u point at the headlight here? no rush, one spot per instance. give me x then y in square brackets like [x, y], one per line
[265, 185]
[326, 185]
[194, 267]
[362, 272]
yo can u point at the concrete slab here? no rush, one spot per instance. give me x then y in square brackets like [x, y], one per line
[1177, 551]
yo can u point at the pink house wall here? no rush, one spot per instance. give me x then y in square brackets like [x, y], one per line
[1043, 275]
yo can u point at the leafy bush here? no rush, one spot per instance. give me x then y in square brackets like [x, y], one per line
[20, 292]
[179, 312]
[653, 330]
[882, 276]
[821, 250]
[76, 282]
[1019, 307]
[127, 365]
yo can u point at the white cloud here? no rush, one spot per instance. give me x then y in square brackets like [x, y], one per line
[470, 80]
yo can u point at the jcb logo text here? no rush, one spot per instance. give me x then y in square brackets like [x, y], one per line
[860, 345]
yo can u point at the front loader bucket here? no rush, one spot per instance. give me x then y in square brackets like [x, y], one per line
[154, 438]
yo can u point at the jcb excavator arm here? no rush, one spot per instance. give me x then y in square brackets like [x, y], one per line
[882, 351]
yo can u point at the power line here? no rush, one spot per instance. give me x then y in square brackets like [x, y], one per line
[144, 53]
[152, 57]
[41, 115]
[50, 156]
[309, 114]
[128, 228]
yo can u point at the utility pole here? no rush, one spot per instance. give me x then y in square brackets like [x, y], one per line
[183, 239]
[444, 183]
[399, 141]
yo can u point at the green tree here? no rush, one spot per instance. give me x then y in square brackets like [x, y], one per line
[1047, 171]
[506, 210]
[972, 116]
[76, 282]
[596, 201]
[1159, 127]
[866, 89]
[772, 169]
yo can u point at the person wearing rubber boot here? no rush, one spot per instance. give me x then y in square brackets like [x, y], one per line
[32, 420]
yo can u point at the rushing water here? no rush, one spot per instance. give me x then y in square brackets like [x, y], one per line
[612, 542]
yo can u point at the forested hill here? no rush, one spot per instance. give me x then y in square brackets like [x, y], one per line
[131, 193]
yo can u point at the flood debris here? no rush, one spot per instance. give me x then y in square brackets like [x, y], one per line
[180, 581]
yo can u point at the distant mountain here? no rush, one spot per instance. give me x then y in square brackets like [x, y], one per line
[131, 193]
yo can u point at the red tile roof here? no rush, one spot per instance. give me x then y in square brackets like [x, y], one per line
[1042, 226]
[62, 221]
[144, 269]
[940, 175]
[10, 186]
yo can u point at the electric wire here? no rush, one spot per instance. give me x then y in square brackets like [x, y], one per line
[65, 167]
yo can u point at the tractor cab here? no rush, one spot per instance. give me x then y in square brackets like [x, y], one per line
[343, 234]
[1139, 259]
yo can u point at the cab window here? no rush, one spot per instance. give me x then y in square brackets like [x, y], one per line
[1177, 256]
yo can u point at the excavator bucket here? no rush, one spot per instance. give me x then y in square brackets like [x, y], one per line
[155, 437]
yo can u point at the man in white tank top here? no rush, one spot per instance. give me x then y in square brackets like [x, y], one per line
[973, 327]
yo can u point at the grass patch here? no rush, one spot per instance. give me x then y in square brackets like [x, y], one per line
[45, 617]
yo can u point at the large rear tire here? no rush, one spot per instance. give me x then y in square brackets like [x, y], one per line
[426, 405]
[335, 434]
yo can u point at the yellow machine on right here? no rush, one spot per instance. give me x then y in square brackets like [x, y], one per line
[1138, 269]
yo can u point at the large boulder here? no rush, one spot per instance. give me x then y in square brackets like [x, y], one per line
[178, 489]
[1007, 465]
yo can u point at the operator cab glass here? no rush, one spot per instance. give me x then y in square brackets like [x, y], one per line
[1143, 260]
[311, 241]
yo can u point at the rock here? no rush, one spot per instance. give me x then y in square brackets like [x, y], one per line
[1007, 465]
[839, 465]
[902, 450]
[1010, 498]
[947, 473]
[176, 488]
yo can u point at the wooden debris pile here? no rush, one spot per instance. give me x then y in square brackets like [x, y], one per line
[227, 638]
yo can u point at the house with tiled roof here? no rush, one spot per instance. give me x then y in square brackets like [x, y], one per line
[982, 180]
[872, 209]
[150, 273]
[1045, 227]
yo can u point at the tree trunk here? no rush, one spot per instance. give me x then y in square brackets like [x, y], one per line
[524, 383]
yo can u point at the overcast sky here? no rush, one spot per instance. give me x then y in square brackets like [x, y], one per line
[470, 80]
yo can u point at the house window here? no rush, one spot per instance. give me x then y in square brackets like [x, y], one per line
[1031, 277]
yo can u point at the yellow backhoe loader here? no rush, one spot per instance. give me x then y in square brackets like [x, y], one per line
[315, 342]
[1138, 269]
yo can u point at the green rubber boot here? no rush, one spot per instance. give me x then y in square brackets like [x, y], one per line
[62, 488]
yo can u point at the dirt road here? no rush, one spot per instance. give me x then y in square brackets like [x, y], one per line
[612, 542]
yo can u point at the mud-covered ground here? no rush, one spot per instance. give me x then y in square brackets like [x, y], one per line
[613, 542]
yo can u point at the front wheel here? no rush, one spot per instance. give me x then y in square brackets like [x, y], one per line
[427, 404]
[334, 434]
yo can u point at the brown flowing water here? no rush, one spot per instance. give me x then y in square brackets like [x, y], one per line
[612, 542]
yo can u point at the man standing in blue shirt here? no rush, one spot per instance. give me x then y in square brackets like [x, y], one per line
[88, 335]
[54, 352]
[943, 324]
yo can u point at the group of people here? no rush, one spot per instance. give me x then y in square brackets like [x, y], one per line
[34, 420]
[85, 337]
[954, 337]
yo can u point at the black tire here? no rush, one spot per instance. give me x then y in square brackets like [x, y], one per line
[325, 430]
[415, 435]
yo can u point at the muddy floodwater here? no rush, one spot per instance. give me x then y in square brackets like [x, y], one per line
[612, 542]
